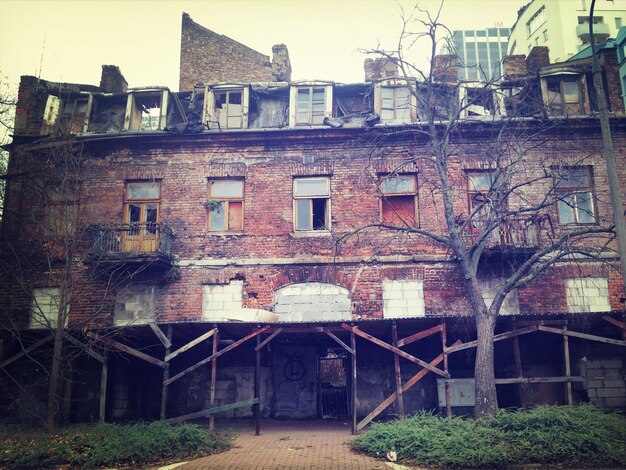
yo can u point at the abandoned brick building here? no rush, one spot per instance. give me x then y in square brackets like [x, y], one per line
[256, 245]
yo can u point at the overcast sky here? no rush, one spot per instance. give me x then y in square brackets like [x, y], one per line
[70, 40]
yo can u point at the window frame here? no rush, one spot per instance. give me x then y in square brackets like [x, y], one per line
[45, 320]
[142, 203]
[563, 102]
[387, 196]
[294, 93]
[407, 113]
[211, 115]
[226, 201]
[561, 191]
[310, 198]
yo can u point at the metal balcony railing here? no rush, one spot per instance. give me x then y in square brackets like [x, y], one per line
[519, 232]
[129, 239]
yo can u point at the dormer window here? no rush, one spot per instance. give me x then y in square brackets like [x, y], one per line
[394, 102]
[152, 109]
[563, 96]
[479, 100]
[227, 107]
[310, 104]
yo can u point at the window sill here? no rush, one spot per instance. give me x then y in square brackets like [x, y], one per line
[311, 233]
[236, 233]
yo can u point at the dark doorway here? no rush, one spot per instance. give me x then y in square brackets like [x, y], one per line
[333, 385]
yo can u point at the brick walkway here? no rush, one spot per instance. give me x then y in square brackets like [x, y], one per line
[289, 445]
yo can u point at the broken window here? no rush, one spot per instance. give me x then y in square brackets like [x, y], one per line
[141, 213]
[309, 105]
[225, 205]
[311, 203]
[563, 96]
[398, 203]
[73, 116]
[479, 101]
[144, 111]
[135, 304]
[229, 109]
[480, 193]
[108, 113]
[395, 104]
[45, 307]
[60, 211]
[574, 190]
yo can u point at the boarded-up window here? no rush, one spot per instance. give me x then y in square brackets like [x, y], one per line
[403, 298]
[589, 294]
[398, 204]
[225, 205]
[135, 304]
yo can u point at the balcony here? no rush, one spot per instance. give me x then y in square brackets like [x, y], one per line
[132, 244]
[601, 32]
[515, 237]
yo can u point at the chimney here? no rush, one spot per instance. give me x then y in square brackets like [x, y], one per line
[281, 65]
[538, 57]
[112, 80]
[377, 69]
[446, 68]
[514, 66]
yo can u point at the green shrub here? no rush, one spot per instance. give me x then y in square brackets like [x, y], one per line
[88, 446]
[569, 435]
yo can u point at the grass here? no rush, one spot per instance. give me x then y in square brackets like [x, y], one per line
[90, 446]
[547, 435]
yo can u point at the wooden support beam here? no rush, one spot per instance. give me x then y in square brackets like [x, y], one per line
[419, 335]
[26, 351]
[261, 345]
[394, 350]
[536, 380]
[396, 366]
[499, 337]
[522, 323]
[216, 338]
[190, 344]
[212, 411]
[446, 386]
[615, 322]
[159, 334]
[568, 371]
[218, 354]
[338, 341]
[391, 398]
[257, 386]
[104, 377]
[90, 352]
[576, 334]
[166, 373]
[519, 371]
[353, 385]
[127, 349]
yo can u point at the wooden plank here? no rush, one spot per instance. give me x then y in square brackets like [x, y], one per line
[391, 398]
[419, 335]
[127, 349]
[535, 380]
[519, 371]
[212, 411]
[353, 385]
[159, 334]
[576, 334]
[190, 344]
[568, 370]
[499, 337]
[104, 376]
[341, 343]
[25, 351]
[615, 322]
[166, 375]
[257, 386]
[90, 352]
[218, 354]
[261, 345]
[446, 386]
[522, 323]
[216, 338]
[394, 350]
[396, 366]
[300, 330]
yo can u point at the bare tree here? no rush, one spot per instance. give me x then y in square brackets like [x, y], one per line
[521, 187]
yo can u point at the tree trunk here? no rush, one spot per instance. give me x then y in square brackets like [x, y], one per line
[55, 374]
[485, 387]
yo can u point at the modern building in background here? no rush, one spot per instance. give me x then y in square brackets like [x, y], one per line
[563, 25]
[481, 52]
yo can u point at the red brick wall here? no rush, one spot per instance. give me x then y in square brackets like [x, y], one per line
[208, 57]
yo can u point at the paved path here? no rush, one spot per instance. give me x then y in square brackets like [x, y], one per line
[289, 445]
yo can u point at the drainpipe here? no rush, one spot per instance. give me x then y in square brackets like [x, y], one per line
[609, 154]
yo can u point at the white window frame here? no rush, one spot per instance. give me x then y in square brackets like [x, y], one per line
[394, 84]
[45, 307]
[133, 120]
[225, 204]
[293, 102]
[310, 198]
[212, 115]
